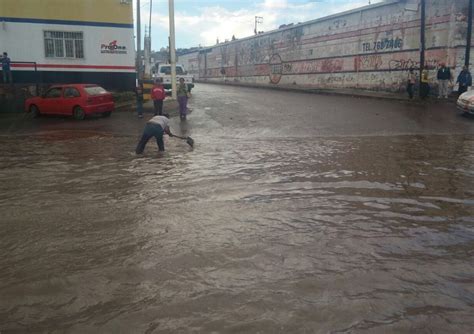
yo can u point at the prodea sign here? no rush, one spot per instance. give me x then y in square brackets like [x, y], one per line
[113, 48]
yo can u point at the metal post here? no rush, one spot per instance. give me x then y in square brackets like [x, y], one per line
[469, 35]
[36, 79]
[139, 39]
[172, 50]
[422, 41]
[149, 24]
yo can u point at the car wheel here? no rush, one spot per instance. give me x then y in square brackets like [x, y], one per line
[107, 113]
[79, 113]
[34, 111]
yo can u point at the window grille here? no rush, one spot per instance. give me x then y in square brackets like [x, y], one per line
[63, 44]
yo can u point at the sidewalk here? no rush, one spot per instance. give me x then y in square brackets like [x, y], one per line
[339, 91]
[122, 122]
[169, 106]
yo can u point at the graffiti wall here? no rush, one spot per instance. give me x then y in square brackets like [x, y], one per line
[369, 48]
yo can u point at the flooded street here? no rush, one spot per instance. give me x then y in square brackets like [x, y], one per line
[294, 213]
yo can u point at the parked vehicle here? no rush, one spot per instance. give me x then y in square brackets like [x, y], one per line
[465, 102]
[164, 72]
[77, 100]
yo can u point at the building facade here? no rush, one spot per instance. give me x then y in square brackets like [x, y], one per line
[73, 41]
[369, 48]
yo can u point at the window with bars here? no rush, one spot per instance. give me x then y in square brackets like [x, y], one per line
[63, 44]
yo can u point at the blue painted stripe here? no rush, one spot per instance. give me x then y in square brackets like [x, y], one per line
[66, 22]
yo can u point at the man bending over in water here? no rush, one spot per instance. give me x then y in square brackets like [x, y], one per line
[155, 127]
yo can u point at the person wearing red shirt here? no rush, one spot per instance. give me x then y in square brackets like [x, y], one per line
[158, 95]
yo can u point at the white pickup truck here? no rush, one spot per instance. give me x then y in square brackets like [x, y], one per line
[164, 72]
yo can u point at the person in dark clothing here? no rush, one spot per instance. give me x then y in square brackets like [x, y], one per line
[425, 84]
[464, 80]
[139, 96]
[411, 80]
[182, 92]
[6, 70]
[444, 78]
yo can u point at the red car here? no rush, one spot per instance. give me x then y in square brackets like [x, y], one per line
[78, 100]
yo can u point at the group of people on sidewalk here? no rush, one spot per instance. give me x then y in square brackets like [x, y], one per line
[158, 125]
[445, 82]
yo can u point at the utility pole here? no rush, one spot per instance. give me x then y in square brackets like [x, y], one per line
[258, 19]
[172, 49]
[422, 40]
[147, 72]
[469, 35]
[139, 37]
[149, 23]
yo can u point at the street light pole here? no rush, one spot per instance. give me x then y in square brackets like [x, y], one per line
[172, 50]
[258, 19]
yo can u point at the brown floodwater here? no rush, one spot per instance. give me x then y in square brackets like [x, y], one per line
[244, 234]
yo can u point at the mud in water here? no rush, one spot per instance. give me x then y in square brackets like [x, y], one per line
[259, 235]
[243, 234]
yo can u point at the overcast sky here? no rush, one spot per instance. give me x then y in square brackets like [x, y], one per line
[203, 21]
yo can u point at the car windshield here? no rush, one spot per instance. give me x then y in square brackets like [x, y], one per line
[167, 70]
[95, 90]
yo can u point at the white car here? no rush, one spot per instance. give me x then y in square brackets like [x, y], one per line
[465, 102]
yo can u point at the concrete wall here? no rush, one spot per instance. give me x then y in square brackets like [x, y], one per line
[370, 48]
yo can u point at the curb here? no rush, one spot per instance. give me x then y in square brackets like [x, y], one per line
[131, 105]
[330, 92]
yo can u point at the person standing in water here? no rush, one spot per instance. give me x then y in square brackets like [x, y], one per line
[139, 97]
[158, 95]
[182, 93]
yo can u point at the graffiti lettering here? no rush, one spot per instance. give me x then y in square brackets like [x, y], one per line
[372, 62]
[301, 67]
[402, 64]
[331, 65]
[406, 64]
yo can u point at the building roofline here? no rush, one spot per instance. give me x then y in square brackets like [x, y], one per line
[65, 22]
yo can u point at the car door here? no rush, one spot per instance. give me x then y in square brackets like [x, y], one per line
[71, 98]
[51, 101]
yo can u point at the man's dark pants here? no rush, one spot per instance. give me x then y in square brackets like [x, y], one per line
[139, 107]
[462, 89]
[158, 107]
[7, 76]
[425, 90]
[151, 130]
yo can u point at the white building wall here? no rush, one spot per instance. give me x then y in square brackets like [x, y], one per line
[25, 42]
